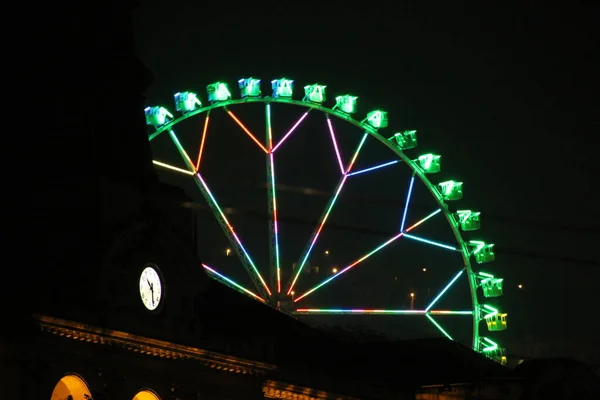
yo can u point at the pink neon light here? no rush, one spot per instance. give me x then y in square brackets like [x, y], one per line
[275, 223]
[335, 146]
[290, 131]
[377, 311]
[359, 311]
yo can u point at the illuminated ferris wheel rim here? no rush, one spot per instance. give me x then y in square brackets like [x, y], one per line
[456, 220]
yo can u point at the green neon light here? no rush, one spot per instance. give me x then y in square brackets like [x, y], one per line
[434, 322]
[378, 120]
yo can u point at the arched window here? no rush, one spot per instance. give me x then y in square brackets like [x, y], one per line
[146, 394]
[71, 387]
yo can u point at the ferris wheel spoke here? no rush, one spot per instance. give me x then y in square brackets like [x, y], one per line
[449, 312]
[234, 239]
[181, 150]
[366, 311]
[367, 255]
[274, 264]
[227, 228]
[440, 328]
[246, 130]
[292, 129]
[373, 168]
[357, 311]
[445, 289]
[172, 168]
[431, 242]
[335, 145]
[407, 202]
[229, 282]
[356, 153]
[317, 232]
[324, 216]
[422, 220]
[204, 132]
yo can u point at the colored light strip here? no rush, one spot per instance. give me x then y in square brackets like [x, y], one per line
[316, 234]
[448, 312]
[232, 283]
[172, 168]
[434, 322]
[361, 311]
[361, 259]
[439, 296]
[433, 214]
[362, 171]
[181, 150]
[275, 224]
[358, 149]
[332, 200]
[204, 131]
[199, 181]
[250, 135]
[275, 238]
[289, 133]
[431, 242]
[335, 145]
[491, 345]
[230, 227]
[410, 188]
[357, 311]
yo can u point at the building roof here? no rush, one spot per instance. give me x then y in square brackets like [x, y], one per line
[301, 347]
[149, 346]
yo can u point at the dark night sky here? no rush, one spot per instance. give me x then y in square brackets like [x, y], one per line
[505, 95]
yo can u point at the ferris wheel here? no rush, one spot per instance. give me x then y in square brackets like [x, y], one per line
[276, 281]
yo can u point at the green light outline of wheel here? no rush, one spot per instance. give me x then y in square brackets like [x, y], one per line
[464, 250]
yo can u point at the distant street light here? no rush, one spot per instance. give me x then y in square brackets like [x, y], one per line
[412, 301]
[424, 269]
[227, 251]
[334, 270]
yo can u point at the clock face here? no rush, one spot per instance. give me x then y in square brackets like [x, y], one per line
[150, 288]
